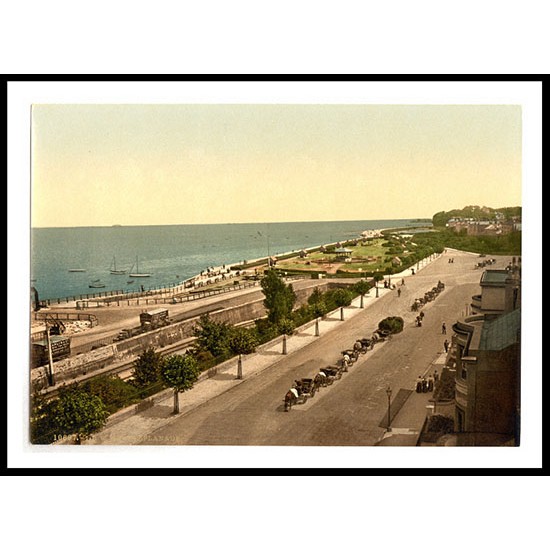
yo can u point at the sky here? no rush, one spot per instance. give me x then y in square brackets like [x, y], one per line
[156, 164]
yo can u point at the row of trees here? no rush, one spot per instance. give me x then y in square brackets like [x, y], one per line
[83, 408]
[508, 244]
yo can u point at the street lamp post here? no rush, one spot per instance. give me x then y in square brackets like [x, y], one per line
[376, 284]
[388, 392]
[317, 326]
[51, 375]
[240, 368]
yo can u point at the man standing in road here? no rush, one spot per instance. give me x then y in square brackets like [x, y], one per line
[443, 329]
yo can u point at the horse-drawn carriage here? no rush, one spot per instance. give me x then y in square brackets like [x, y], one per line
[349, 356]
[363, 344]
[302, 389]
[428, 296]
[382, 334]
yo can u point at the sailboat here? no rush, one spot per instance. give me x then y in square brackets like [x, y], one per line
[115, 271]
[137, 273]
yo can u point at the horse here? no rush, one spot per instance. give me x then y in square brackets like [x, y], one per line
[332, 373]
[362, 345]
[290, 399]
[320, 380]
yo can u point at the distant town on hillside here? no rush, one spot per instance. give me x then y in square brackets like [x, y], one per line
[481, 220]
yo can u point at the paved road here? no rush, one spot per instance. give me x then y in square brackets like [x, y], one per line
[351, 410]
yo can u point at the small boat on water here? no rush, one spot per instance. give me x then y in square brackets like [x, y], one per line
[137, 273]
[129, 282]
[76, 270]
[115, 271]
[96, 284]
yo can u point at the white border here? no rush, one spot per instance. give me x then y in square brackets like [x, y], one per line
[20, 97]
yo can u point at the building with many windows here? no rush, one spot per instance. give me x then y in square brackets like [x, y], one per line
[485, 356]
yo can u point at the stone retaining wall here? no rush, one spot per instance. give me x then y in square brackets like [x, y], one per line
[101, 359]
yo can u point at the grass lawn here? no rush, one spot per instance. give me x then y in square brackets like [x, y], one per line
[369, 257]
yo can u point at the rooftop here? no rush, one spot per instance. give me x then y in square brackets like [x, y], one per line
[496, 277]
[501, 333]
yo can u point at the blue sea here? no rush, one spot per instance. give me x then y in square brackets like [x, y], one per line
[170, 253]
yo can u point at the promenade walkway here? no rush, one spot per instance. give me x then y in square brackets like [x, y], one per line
[134, 424]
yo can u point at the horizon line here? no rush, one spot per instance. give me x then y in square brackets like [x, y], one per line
[419, 218]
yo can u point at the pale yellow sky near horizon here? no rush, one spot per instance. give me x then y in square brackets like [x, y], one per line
[95, 165]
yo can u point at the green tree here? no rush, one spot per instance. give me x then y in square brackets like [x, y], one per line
[317, 304]
[362, 287]
[242, 342]
[340, 297]
[179, 372]
[78, 413]
[279, 297]
[212, 336]
[147, 368]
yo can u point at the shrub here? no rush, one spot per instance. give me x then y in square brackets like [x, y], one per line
[205, 359]
[146, 368]
[114, 392]
[265, 330]
[392, 324]
[286, 326]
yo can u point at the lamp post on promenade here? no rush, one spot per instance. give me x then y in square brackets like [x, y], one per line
[317, 326]
[388, 393]
[51, 375]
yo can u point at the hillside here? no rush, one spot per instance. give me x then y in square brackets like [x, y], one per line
[477, 213]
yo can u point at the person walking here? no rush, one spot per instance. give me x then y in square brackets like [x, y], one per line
[436, 376]
[430, 383]
[398, 292]
[446, 345]
[443, 329]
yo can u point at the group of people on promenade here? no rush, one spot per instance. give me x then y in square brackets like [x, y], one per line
[424, 385]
